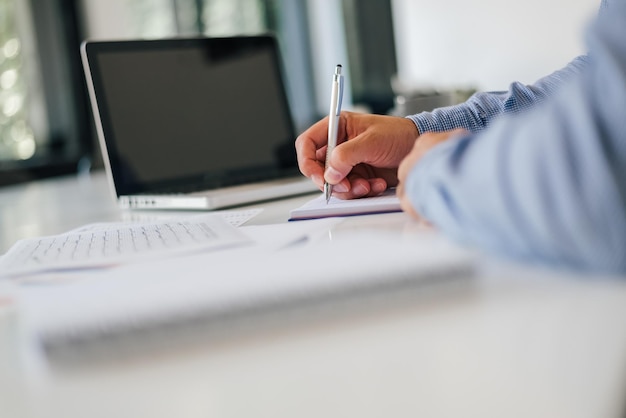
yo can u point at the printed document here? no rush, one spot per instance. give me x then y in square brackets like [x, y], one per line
[105, 246]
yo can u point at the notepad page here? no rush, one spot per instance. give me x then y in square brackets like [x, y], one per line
[318, 208]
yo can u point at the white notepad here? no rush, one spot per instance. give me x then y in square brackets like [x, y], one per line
[140, 307]
[318, 208]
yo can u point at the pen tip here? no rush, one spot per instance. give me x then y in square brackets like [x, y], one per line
[327, 192]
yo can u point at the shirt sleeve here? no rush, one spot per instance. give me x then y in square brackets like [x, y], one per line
[548, 184]
[482, 108]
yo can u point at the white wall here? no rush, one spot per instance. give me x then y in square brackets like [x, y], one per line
[105, 19]
[114, 19]
[486, 44]
[328, 48]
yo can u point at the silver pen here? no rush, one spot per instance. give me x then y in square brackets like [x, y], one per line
[336, 97]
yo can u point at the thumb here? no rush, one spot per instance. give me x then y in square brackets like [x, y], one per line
[348, 154]
[343, 158]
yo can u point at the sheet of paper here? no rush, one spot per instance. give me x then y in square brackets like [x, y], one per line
[318, 208]
[290, 234]
[107, 245]
[239, 217]
[234, 217]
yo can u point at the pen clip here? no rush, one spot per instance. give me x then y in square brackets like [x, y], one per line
[340, 95]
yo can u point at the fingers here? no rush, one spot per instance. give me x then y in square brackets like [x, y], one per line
[310, 150]
[360, 187]
[422, 146]
[405, 203]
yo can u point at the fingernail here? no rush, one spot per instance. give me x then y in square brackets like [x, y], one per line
[359, 190]
[340, 187]
[332, 175]
[378, 187]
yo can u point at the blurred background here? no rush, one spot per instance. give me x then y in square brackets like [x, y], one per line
[400, 56]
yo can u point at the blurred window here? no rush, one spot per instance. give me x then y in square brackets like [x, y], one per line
[43, 110]
[17, 140]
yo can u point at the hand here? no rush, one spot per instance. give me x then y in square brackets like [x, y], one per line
[366, 159]
[425, 143]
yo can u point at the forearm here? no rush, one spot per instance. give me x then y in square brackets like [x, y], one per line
[479, 111]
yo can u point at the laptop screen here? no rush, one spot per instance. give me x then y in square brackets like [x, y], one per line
[192, 113]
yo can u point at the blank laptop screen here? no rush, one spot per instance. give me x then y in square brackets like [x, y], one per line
[203, 112]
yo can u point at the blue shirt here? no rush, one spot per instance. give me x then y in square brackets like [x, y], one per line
[542, 176]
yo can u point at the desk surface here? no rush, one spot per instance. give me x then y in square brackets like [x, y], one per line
[521, 342]
[53, 206]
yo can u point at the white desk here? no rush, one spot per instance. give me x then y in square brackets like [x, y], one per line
[521, 342]
[57, 205]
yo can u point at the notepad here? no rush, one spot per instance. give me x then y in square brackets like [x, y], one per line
[318, 208]
[175, 302]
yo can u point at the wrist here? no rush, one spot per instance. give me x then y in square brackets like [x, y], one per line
[414, 125]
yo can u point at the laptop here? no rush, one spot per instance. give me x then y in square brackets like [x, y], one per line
[193, 123]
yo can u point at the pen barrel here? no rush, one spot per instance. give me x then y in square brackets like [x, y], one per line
[333, 119]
